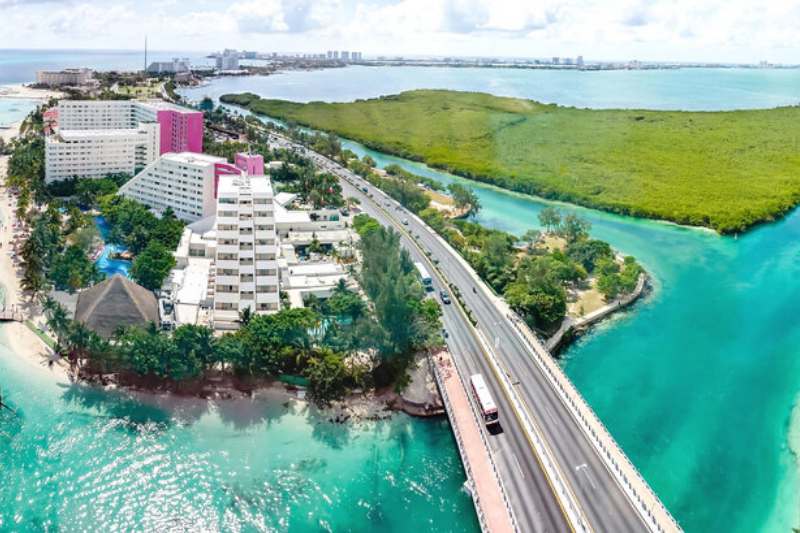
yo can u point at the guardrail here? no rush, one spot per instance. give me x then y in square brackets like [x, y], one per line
[462, 451]
[548, 461]
[647, 503]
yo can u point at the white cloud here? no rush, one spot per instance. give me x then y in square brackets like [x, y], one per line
[728, 30]
[87, 19]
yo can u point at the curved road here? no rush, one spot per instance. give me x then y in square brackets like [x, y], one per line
[535, 504]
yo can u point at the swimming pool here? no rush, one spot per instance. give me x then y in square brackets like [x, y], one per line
[107, 265]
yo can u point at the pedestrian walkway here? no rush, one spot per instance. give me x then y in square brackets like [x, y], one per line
[490, 503]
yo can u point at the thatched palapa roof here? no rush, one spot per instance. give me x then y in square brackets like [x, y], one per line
[115, 301]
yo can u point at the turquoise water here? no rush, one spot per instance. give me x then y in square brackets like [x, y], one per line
[14, 110]
[78, 459]
[106, 264]
[695, 89]
[697, 381]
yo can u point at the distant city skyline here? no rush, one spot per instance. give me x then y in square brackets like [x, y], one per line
[648, 30]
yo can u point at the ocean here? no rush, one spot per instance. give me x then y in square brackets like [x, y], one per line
[698, 382]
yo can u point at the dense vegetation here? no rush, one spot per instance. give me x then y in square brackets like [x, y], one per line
[152, 239]
[532, 279]
[88, 190]
[361, 344]
[726, 170]
[54, 254]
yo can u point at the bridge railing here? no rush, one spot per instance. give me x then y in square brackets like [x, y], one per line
[547, 459]
[462, 450]
[647, 503]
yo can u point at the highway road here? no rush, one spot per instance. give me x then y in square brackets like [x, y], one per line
[534, 502]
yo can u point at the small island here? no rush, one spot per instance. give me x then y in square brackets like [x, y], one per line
[723, 170]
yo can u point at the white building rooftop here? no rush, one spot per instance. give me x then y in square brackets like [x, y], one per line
[315, 269]
[165, 106]
[193, 158]
[203, 225]
[284, 216]
[230, 184]
[285, 198]
[77, 135]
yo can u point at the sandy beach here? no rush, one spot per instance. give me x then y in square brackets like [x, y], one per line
[21, 92]
[7, 135]
[21, 340]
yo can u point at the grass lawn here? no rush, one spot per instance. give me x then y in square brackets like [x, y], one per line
[440, 198]
[39, 333]
[552, 243]
[151, 91]
[588, 299]
[726, 170]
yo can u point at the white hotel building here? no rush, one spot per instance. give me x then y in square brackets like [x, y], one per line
[95, 138]
[246, 263]
[228, 256]
[185, 182]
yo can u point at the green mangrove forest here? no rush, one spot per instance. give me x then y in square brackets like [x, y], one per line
[724, 170]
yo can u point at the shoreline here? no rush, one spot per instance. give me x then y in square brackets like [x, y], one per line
[492, 186]
[11, 132]
[20, 339]
[23, 92]
[28, 347]
[572, 328]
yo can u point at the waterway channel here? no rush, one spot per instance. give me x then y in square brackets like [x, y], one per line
[699, 380]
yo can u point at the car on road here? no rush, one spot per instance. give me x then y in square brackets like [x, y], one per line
[445, 297]
[364, 190]
[405, 222]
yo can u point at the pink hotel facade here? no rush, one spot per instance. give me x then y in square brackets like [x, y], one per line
[95, 138]
[181, 131]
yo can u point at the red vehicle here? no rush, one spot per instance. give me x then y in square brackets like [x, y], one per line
[485, 402]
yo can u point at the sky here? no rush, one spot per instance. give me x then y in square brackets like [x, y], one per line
[647, 30]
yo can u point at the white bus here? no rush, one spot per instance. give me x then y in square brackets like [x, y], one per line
[485, 402]
[424, 276]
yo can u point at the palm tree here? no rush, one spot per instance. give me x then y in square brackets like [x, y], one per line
[48, 305]
[59, 321]
[79, 338]
[95, 274]
[99, 350]
[245, 315]
[34, 283]
[121, 331]
[341, 287]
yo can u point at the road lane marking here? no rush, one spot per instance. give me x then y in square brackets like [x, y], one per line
[585, 469]
[472, 329]
[518, 467]
[551, 416]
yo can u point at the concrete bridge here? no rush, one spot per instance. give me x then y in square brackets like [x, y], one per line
[556, 465]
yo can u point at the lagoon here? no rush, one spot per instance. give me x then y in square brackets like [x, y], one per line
[83, 459]
[699, 380]
[684, 89]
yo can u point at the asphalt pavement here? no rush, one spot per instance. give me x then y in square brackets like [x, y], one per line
[535, 504]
